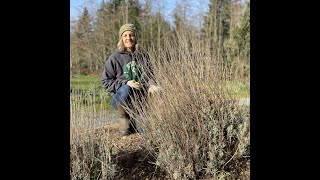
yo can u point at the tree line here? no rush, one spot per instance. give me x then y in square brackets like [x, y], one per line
[225, 28]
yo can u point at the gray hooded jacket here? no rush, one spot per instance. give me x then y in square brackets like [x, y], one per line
[124, 66]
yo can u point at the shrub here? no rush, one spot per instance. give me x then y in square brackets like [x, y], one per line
[195, 126]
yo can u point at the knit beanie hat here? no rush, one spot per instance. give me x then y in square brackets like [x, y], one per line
[127, 27]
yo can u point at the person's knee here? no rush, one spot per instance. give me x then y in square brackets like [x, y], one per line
[124, 91]
[121, 96]
[124, 88]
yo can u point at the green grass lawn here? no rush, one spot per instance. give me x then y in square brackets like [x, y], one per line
[90, 88]
[240, 90]
[85, 82]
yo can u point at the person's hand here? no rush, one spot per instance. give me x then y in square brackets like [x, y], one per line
[134, 84]
[153, 89]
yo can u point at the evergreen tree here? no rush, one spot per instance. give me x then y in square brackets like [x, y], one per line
[238, 46]
[81, 43]
[84, 24]
[217, 25]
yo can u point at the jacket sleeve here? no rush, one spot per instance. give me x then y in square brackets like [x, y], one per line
[109, 79]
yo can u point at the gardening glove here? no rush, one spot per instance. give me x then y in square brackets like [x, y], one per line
[134, 84]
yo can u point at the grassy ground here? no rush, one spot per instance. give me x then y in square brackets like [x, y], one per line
[240, 90]
[90, 89]
[85, 82]
[90, 86]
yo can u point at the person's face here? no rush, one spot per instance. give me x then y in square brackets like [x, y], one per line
[128, 39]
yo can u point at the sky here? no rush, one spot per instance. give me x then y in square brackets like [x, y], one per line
[74, 7]
[199, 6]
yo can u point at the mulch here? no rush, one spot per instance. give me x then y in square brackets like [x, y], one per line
[130, 158]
